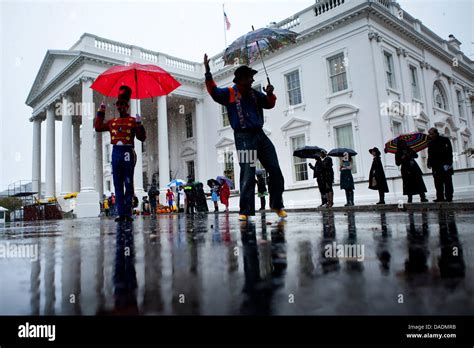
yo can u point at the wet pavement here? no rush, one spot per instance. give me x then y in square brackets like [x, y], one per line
[315, 263]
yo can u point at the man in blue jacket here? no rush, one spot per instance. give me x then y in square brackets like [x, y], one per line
[245, 111]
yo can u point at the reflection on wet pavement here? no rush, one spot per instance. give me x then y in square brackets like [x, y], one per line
[401, 263]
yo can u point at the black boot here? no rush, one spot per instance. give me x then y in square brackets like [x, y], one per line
[410, 198]
[423, 198]
[351, 194]
[348, 198]
[381, 197]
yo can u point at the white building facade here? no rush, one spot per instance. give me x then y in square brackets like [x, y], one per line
[361, 72]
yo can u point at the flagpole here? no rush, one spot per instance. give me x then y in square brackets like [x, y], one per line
[225, 27]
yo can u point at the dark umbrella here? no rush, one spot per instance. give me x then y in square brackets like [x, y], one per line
[212, 182]
[416, 141]
[308, 152]
[248, 47]
[339, 152]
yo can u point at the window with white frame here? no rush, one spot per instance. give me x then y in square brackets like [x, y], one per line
[459, 100]
[107, 185]
[439, 96]
[389, 70]
[190, 169]
[415, 88]
[300, 167]
[397, 128]
[225, 116]
[188, 120]
[229, 165]
[345, 138]
[337, 72]
[293, 87]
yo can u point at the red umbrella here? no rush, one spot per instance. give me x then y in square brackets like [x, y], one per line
[145, 80]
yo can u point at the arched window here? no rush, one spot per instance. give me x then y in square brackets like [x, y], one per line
[439, 96]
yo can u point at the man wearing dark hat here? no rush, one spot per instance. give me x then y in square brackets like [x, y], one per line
[440, 160]
[245, 111]
[122, 132]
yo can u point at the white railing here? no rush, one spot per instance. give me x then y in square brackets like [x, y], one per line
[150, 56]
[323, 6]
[180, 64]
[289, 23]
[385, 3]
[112, 47]
[218, 63]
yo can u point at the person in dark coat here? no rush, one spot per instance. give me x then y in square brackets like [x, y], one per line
[327, 178]
[201, 200]
[319, 176]
[190, 191]
[440, 161]
[412, 176]
[347, 181]
[152, 195]
[261, 189]
[377, 180]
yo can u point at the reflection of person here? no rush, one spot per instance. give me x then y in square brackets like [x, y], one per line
[347, 181]
[451, 261]
[260, 282]
[377, 180]
[245, 111]
[440, 160]
[319, 176]
[125, 278]
[329, 263]
[417, 261]
[122, 131]
[412, 176]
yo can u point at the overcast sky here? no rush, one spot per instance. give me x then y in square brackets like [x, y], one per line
[183, 29]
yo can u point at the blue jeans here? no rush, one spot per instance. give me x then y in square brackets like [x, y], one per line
[123, 165]
[258, 143]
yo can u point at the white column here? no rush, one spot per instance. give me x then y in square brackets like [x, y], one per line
[163, 147]
[200, 142]
[138, 174]
[36, 174]
[50, 153]
[76, 157]
[66, 165]
[99, 164]
[88, 199]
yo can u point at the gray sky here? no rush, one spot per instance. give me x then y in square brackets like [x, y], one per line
[181, 28]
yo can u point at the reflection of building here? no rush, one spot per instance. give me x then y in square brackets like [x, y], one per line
[362, 72]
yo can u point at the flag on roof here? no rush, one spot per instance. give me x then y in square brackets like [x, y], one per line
[227, 23]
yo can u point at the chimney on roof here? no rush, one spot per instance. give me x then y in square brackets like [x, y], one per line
[454, 43]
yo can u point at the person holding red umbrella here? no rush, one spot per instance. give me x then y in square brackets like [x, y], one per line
[123, 131]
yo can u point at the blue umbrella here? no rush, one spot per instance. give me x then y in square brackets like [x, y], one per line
[176, 182]
[221, 178]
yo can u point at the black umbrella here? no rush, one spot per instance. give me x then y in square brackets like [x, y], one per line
[308, 152]
[212, 182]
[339, 152]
